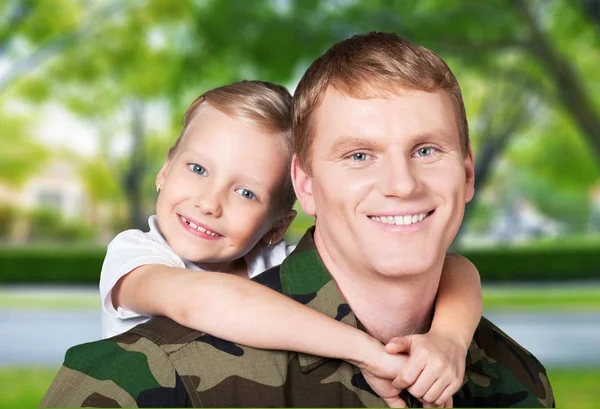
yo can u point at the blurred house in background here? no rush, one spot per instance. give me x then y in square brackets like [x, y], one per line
[594, 223]
[54, 205]
[57, 187]
[522, 221]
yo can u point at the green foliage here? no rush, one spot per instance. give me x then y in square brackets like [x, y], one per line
[8, 216]
[536, 264]
[20, 155]
[79, 265]
[96, 57]
[47, 225]
[51, 265]
[482, 215]
[100, 180]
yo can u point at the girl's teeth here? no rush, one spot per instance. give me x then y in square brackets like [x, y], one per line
[194, 226]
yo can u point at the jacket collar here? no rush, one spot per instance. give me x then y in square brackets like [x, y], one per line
[305, 278]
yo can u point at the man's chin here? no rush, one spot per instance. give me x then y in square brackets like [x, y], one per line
[395, 266]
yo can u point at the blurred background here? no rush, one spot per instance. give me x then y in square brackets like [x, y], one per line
[92, 95]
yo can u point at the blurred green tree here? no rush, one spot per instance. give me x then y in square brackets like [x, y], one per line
[528, 70]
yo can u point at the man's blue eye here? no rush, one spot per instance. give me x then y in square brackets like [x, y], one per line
[425, 151]
[359, 157]
[246, 193]
[194, 167]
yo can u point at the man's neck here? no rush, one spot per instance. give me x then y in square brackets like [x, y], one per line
[387, 306]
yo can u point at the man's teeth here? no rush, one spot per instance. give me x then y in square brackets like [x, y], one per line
[202, 229]
[399, 220]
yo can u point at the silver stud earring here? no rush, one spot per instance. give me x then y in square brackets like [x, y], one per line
[270, 243]
[158, 187]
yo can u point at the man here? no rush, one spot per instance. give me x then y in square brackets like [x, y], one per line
[382, 159]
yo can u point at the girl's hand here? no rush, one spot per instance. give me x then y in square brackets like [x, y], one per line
[380, 369]
[435, 367]
[384, 388]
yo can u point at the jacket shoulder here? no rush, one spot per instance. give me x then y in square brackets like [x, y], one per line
[164, 331]
[136, 363]
[512, 367]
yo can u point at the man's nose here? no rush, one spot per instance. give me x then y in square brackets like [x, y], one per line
[400, 178]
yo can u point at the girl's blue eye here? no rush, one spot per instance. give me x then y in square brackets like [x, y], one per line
[425, 151]
[194, 167]
[246, 193]
[359, 157]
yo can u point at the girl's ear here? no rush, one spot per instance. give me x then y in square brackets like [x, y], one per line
[303, 187]
[162, 175]
[278, 230]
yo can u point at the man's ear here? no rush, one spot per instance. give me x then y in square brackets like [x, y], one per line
[303, 187]
[278, 230]
[162, 175]
[469, 176]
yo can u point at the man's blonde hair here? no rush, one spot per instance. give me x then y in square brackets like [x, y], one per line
[264, 104]
[368, 66]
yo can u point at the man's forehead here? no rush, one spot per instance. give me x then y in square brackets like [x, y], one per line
[335, 95]
[412, 111]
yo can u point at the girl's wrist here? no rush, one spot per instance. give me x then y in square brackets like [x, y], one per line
[365, 350]
[461, 339]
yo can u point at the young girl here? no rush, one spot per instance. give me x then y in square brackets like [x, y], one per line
[224, 202]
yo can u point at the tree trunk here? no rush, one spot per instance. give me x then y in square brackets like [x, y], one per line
[572, 93]
[501, 123]
[591, 8]
[137, 162]
[52, 46]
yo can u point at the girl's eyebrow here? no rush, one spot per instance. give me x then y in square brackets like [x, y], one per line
[191, 152]
[250, 180]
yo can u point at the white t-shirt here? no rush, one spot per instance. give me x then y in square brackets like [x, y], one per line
[133, 248]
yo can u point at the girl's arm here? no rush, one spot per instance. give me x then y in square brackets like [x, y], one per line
[459, 303]
[436, 364]
[245, 312]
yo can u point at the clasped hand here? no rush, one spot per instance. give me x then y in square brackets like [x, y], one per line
[430, 366]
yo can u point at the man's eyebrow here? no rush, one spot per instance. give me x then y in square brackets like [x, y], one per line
[348, 143]
[434, 136]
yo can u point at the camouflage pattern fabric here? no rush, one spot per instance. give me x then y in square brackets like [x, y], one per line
[162, 364]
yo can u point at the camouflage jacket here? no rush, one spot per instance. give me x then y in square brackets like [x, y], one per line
[161, 363]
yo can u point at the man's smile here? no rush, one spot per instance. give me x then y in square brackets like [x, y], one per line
[401, 220]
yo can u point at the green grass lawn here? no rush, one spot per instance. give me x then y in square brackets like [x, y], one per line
[23, 387]
[513, 298]
[48, 301]
[575, 388]
[542, 298]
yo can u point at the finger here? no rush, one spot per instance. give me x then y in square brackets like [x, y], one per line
[398, 345]
[448, 403]
[429, 405]
[446, 395]
[424, 382]
[410, 372]
[395, 402]
[433, 394]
